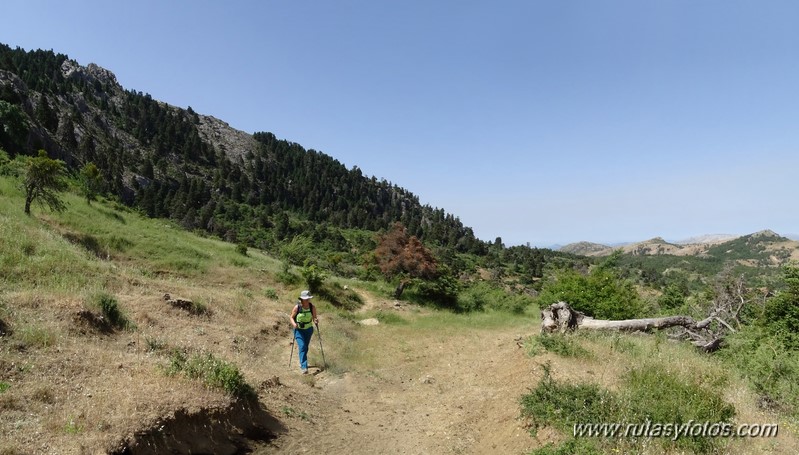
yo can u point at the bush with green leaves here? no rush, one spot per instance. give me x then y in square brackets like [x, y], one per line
[91, 181]
[4, 160]
[298, 250]
[781, 313]
[600, 293]
[314, 276]
[656, 393]
[109, 307]
[287, 276]
[441, 290]
[271, 293]
[340, 296]
[485, 295]
[241, 248]
[768, 364]
[673, 297]
[212, 372]
[562, 405]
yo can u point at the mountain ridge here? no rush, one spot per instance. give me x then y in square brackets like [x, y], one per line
[196, 169]
[777, 248]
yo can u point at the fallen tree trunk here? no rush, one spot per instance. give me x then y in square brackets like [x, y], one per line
[560, 317]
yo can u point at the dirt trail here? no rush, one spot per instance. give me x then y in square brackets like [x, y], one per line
[455, 392]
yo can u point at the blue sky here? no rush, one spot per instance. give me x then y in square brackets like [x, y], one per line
[535, 121]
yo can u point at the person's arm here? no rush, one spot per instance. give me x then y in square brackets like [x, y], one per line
[313, 311]
[293, 316]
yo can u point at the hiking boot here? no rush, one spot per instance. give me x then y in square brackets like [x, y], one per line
[304, 371]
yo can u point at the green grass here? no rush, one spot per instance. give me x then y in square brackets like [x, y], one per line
[212, 372]
[649, 392]
[109, 307]
[36, 336]
[72, 427]
[389, 317]
[69, 251]
[566, 345]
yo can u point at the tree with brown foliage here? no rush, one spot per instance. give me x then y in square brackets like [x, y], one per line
[402, 257]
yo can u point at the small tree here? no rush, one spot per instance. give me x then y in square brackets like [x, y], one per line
[314, 276]
[405, 257]
[44, 179]
[90, 180]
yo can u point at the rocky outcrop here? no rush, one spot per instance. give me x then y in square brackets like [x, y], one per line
[234, 143]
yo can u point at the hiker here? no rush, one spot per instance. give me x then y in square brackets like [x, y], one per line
[303, 314]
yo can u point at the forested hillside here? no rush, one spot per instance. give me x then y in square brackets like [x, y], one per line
[254, 190]
[152, 155]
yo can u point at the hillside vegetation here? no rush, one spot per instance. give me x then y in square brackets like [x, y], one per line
[147, 313]
[95, 357]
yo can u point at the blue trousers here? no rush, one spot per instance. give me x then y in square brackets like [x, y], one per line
[303, 339]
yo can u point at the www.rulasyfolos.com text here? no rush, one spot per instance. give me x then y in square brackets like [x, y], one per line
[675, 431]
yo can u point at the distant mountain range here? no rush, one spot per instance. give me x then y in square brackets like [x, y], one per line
[764, 247]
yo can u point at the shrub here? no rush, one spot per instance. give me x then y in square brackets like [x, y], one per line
[270, 293]
[288, 277]
[484, 295]
[154, 344]
[672, 297]
[770, 366]
[600, 293]
[241, 248]
[298, 250]
[442, 291]
[212, 372]
[340, 297]
[563, 405]
[314, 277]
[109, 307]
[652, 393]
[781, 314]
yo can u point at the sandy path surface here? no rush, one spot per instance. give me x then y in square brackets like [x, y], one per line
[454, 392]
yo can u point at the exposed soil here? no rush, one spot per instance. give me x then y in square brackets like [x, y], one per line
[413, 387]
[455, 392]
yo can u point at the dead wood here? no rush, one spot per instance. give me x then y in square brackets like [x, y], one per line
[560, 317]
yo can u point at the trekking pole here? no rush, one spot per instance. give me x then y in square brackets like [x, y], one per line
[320, 345]
[293, 337]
